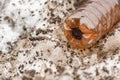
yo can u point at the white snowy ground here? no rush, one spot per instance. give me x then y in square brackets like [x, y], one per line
[33, 46]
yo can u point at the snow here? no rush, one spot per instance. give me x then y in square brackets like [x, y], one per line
[48, 52]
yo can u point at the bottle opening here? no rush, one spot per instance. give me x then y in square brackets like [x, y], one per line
[76, 33]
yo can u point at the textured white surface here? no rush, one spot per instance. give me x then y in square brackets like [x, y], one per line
[36, 48]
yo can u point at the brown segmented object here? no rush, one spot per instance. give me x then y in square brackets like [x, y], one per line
[90, 22]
